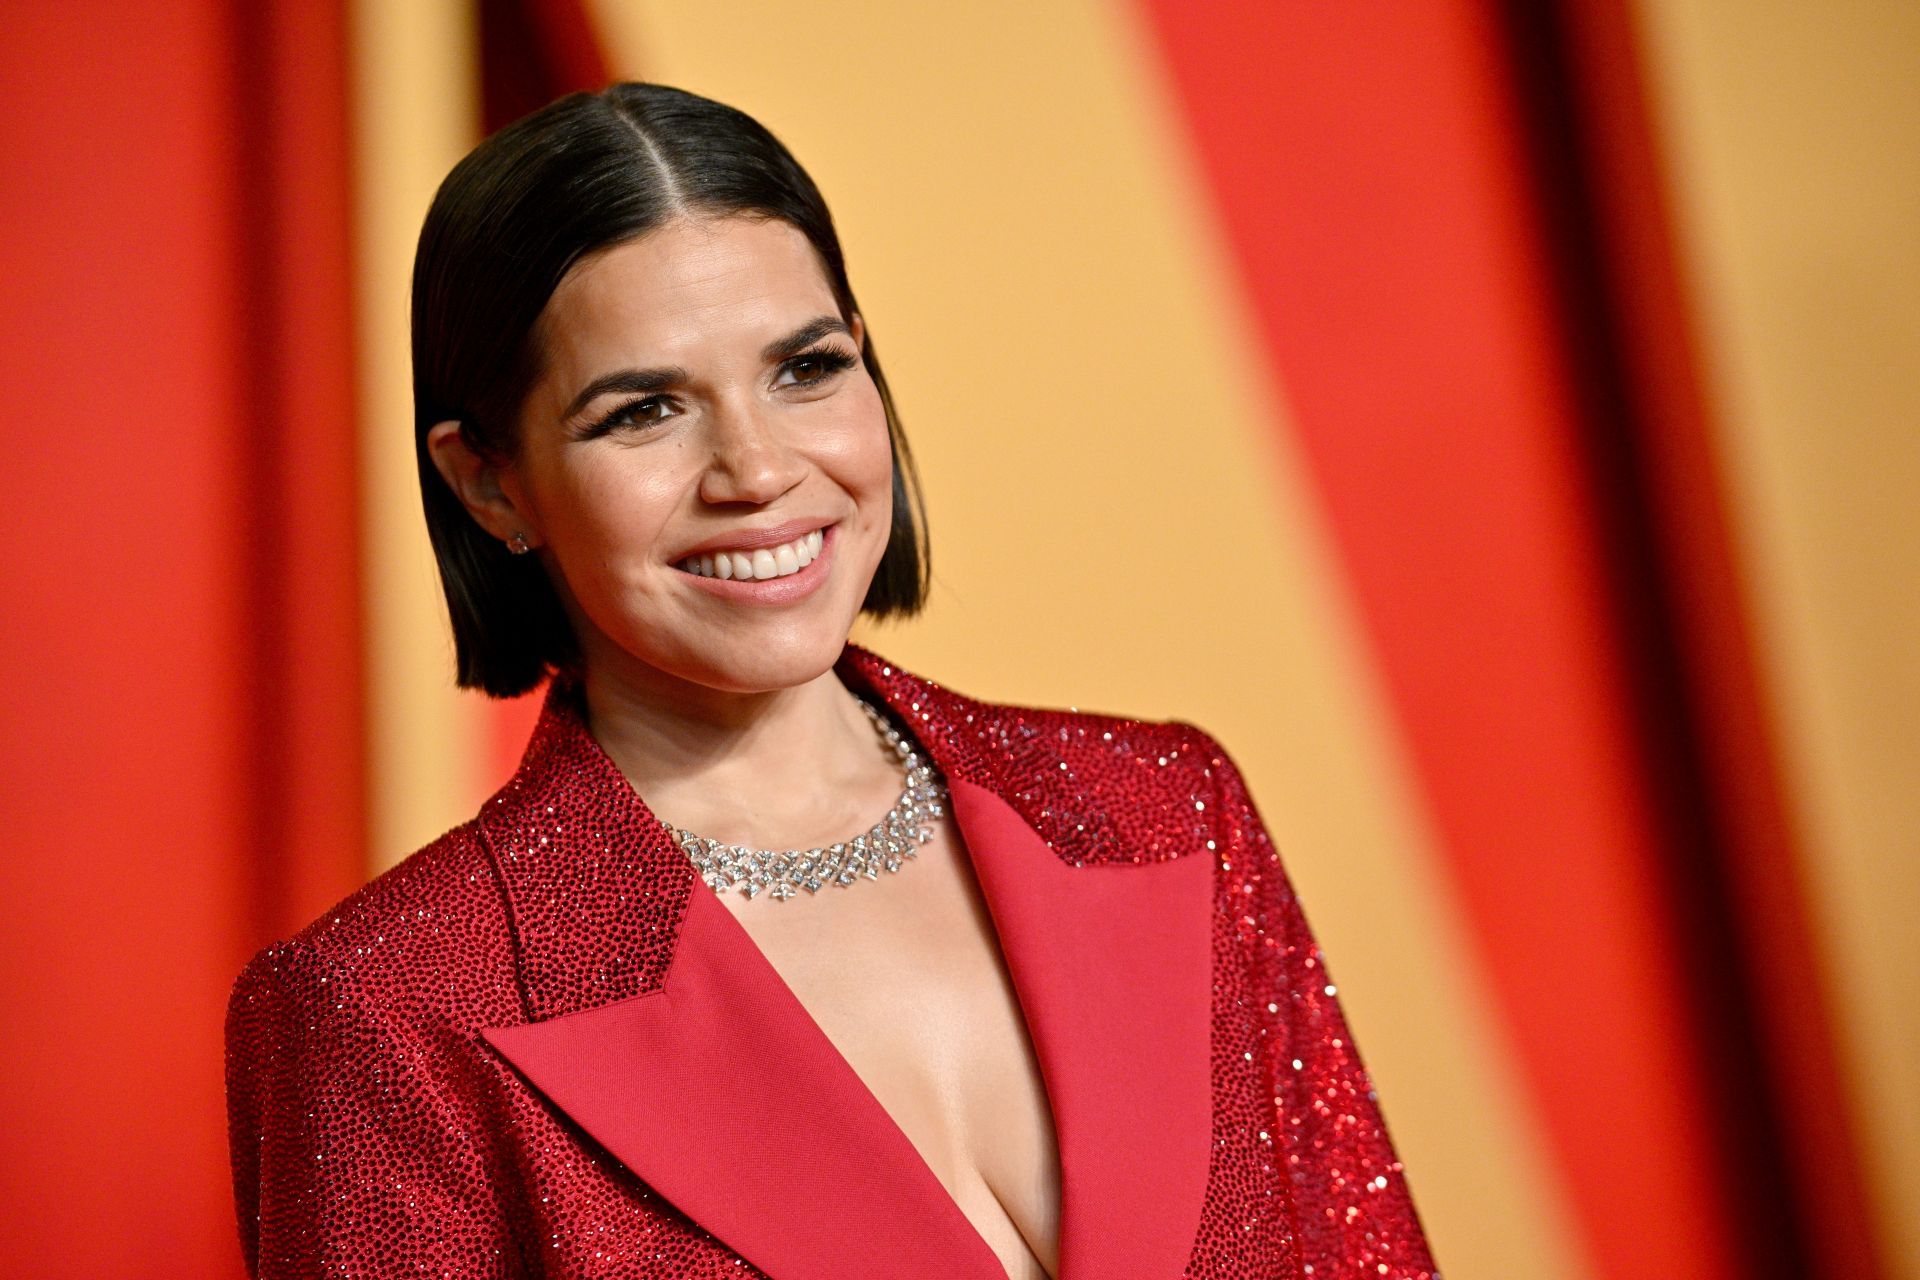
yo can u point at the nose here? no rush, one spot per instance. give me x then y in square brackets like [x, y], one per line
[750, 460]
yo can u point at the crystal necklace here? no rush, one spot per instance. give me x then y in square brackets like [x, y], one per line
[885, 846]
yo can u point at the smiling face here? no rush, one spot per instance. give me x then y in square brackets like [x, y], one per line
[704, 461]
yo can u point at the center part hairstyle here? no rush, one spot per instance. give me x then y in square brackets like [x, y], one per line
[585, 173]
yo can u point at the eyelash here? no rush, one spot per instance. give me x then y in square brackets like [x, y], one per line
[832, 361]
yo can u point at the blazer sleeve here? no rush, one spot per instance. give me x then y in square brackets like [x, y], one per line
[354, 1152]
[1353, 1212]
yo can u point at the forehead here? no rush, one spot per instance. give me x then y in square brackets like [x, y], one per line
[692, 283]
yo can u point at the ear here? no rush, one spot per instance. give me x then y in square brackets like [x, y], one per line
[858, 327]
[482, 484]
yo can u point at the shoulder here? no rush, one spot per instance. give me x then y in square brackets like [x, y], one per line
[1108, 749]
[427, 940]
[354, 1063]
[1156, 788]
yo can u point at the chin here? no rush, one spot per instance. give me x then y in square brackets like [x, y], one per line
[776, 658]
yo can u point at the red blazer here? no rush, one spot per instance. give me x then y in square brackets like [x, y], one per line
[542, 1046]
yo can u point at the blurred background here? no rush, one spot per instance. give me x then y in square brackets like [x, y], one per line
[1499, 423]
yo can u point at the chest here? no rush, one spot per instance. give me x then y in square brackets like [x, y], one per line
[905, 976]
[820, 1080]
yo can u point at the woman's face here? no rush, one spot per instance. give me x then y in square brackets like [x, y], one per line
[704, 462]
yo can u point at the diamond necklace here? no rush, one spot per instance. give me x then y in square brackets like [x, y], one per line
[885, 846]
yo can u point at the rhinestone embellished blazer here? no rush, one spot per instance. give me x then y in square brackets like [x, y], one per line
[542, 1046]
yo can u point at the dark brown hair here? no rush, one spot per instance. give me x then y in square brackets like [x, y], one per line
[582, 174]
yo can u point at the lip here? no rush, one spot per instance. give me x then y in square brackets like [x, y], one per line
[795, 586]
[748, 539]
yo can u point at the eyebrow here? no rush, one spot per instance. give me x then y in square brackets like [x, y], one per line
[803, 337]
[660, 378]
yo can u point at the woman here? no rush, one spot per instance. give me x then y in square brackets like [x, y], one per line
[675, 1003]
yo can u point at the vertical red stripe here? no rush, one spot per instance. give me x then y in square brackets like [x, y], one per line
[1369, 169]
[124, 591]
[1742, 787]
[307, 695]
[531, 52]
[182, 738]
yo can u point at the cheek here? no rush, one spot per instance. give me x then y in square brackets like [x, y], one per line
[605, 507]
[862, 454]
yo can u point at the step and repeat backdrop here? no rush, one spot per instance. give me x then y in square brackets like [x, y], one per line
[1496, 423]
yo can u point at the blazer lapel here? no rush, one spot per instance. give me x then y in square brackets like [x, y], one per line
[658, 1026]
[722, 1094]
[1112, 964]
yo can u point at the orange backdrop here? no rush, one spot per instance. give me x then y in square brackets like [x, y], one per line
[1506, 410]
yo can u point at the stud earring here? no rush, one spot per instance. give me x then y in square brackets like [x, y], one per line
[518, 544]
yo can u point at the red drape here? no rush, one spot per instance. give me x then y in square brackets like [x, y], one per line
[531, 52]
[183, 725]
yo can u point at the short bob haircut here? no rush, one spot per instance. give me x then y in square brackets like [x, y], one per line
[585, 173]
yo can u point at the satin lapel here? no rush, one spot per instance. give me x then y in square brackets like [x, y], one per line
[722, 1094]
[1113, 968]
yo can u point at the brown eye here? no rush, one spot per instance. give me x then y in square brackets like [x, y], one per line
[812, 368]
[634, 413]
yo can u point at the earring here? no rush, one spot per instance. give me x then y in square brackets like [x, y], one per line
[518, 544]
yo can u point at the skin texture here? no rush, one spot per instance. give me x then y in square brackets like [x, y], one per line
[726, 715]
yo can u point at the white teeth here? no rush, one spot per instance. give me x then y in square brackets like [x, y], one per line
[759, 563]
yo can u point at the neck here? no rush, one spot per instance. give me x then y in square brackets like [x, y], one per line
[779, 768]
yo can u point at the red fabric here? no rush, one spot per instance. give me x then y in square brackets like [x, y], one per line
[541, 1047]
[533, 51]
[1795, 1124]
[1372, 170]
[179, 584]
